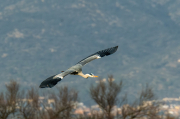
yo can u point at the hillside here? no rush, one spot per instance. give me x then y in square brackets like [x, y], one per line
[40, 38]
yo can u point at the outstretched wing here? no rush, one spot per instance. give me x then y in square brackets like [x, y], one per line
[63, 74]
[53, 80]
[98, 54]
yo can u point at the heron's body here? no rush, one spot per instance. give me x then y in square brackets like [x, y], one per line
[77, 69]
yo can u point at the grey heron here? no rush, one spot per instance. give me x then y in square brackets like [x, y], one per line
[77, 69]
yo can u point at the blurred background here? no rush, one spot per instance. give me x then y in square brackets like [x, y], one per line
[40, 38]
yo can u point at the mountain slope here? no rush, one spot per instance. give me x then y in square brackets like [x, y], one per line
[42, 38]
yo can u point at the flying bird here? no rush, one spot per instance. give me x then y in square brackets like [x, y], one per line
[77, 69]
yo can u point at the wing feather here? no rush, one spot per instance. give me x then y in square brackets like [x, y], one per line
[63, 74]
[98, 54]
[53, 80]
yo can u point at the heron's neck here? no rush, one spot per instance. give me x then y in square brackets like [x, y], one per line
[83, 75]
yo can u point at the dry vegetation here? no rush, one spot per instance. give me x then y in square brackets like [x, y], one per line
[16, 103]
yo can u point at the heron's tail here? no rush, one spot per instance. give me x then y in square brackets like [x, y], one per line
[50, 82]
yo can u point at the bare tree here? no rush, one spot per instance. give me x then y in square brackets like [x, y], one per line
[94, 115]
[18, 104]
[8, 101]
[106, 96]
[4, 112]
[29, 105]
[144, 106]
[64, 103]
[168, 116]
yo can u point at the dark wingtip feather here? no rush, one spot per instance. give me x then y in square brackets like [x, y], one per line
[108, 51]
[49, 82]
[116, 47]
[101, 53]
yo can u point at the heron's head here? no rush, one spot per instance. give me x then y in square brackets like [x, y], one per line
[91, 75]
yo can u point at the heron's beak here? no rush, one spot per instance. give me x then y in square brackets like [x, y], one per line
[95, 76]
